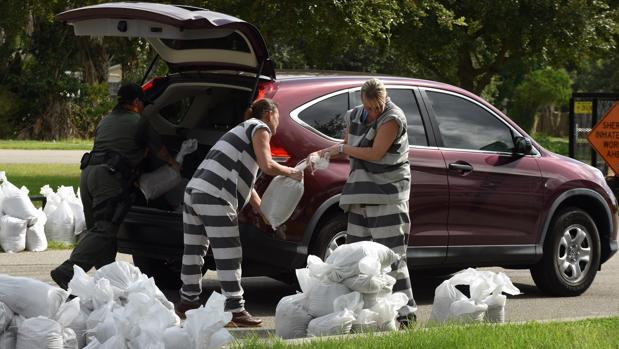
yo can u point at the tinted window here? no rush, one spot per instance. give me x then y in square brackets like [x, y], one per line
[327, 116]
[465, 125]
[405, 99]
[175, 111]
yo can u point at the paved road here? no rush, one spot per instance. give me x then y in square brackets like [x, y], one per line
[262, 294]
[14, 156]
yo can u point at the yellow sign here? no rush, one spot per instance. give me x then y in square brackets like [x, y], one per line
[583, 108]
[604, 137]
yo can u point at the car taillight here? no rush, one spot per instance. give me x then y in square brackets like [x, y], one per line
[278, 152]
[266, 89]
[149, 84]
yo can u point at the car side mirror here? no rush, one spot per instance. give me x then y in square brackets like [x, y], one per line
[522, 146]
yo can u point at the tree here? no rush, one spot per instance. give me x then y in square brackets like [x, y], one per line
[540, 89]
[468, 43]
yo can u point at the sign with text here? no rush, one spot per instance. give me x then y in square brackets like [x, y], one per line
[604, 137]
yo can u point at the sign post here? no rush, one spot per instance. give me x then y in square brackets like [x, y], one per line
[604, 137]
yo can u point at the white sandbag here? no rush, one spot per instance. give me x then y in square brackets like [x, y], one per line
[30, 297]
[496, 308]
[174, 196]
[6, 316]
[444, 295]
[16, 203]
[8, 338]
[151, 316]
[466, 310]
[115, 342]
[365, 321]
[60, 225]
[39, 332]
[345, 259]
[176, 337]
[291, 319]
[203, 323]
[36, 241]
[121, 274]
[387, 308]
[52, 200]
[69, 339]
[281, 198]
[331, 324]
[156, 183]
[79, 221]
[370, 284]
[319, 163]
[321, 296]
[13, 234]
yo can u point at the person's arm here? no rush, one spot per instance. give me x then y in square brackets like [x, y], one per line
[164, 155]
[262, 148]
[152, 140]
[255, 201]
[385, 135]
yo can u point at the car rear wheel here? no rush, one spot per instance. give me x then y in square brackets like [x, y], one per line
[571, 255]
[331, 235]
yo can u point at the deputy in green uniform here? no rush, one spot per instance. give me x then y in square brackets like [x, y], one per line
[109, 172]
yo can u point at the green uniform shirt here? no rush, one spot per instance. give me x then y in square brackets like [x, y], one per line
[125, 132]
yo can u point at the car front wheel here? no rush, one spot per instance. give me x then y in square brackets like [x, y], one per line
[571, 255]
[331, 235]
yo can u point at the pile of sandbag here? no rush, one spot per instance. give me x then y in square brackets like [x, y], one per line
[65, 214]
[21, 224]
[350, 291]
[486, 300]
[118, 307]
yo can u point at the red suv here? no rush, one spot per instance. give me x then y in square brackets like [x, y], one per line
[483, 193]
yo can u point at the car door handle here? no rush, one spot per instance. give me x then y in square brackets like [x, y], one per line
[461, 166]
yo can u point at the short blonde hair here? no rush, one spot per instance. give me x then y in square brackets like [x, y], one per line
[374, 90]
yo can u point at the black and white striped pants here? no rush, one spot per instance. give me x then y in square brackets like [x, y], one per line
[211, 220]
[388, 225]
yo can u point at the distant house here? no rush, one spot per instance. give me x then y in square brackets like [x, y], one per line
[114, 77]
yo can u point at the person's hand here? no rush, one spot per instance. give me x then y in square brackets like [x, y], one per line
[310, 164]
[296, 174]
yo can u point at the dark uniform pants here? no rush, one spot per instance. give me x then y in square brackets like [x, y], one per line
[102, 193]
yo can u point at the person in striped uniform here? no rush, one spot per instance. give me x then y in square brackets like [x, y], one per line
[377, 191]
[221, 186]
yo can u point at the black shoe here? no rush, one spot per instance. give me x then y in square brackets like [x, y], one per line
[244, 319]
[407, 321]
[60, 278]
[181, 307]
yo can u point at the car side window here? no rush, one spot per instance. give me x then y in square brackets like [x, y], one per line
[175, 112]
[327, 116]
[466, 125]
[405, 99]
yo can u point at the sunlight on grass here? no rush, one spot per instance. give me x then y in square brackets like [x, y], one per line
[34, 176]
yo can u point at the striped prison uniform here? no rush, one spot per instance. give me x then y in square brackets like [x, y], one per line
[376, 193]
[218, 190]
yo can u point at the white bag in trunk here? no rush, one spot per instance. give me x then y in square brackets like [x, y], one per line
[13, 234]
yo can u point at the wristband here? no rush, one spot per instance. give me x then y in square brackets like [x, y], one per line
[340, 148]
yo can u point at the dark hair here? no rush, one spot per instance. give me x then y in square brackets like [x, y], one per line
[260, 108]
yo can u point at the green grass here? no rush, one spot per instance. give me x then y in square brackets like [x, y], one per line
[595, 333]
[59, 245]
[69, 144]
[554, 144]
[34, 176]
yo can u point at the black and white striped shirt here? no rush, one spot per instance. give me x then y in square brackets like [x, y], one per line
[230, 168]
[385, 181]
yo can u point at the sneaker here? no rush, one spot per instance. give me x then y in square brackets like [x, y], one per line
[407, 321]
[244, 319]
[60, 278]
[181, 307]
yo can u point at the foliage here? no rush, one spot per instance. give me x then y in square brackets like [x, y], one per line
[542, 88]
[53, 84]
[554, 144]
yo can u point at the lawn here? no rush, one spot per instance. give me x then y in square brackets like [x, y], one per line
[34, 176]
[594, 333]
[69, 144]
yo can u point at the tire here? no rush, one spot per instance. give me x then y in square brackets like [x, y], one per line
[167, 274]
[331, 234]
[571, 255]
